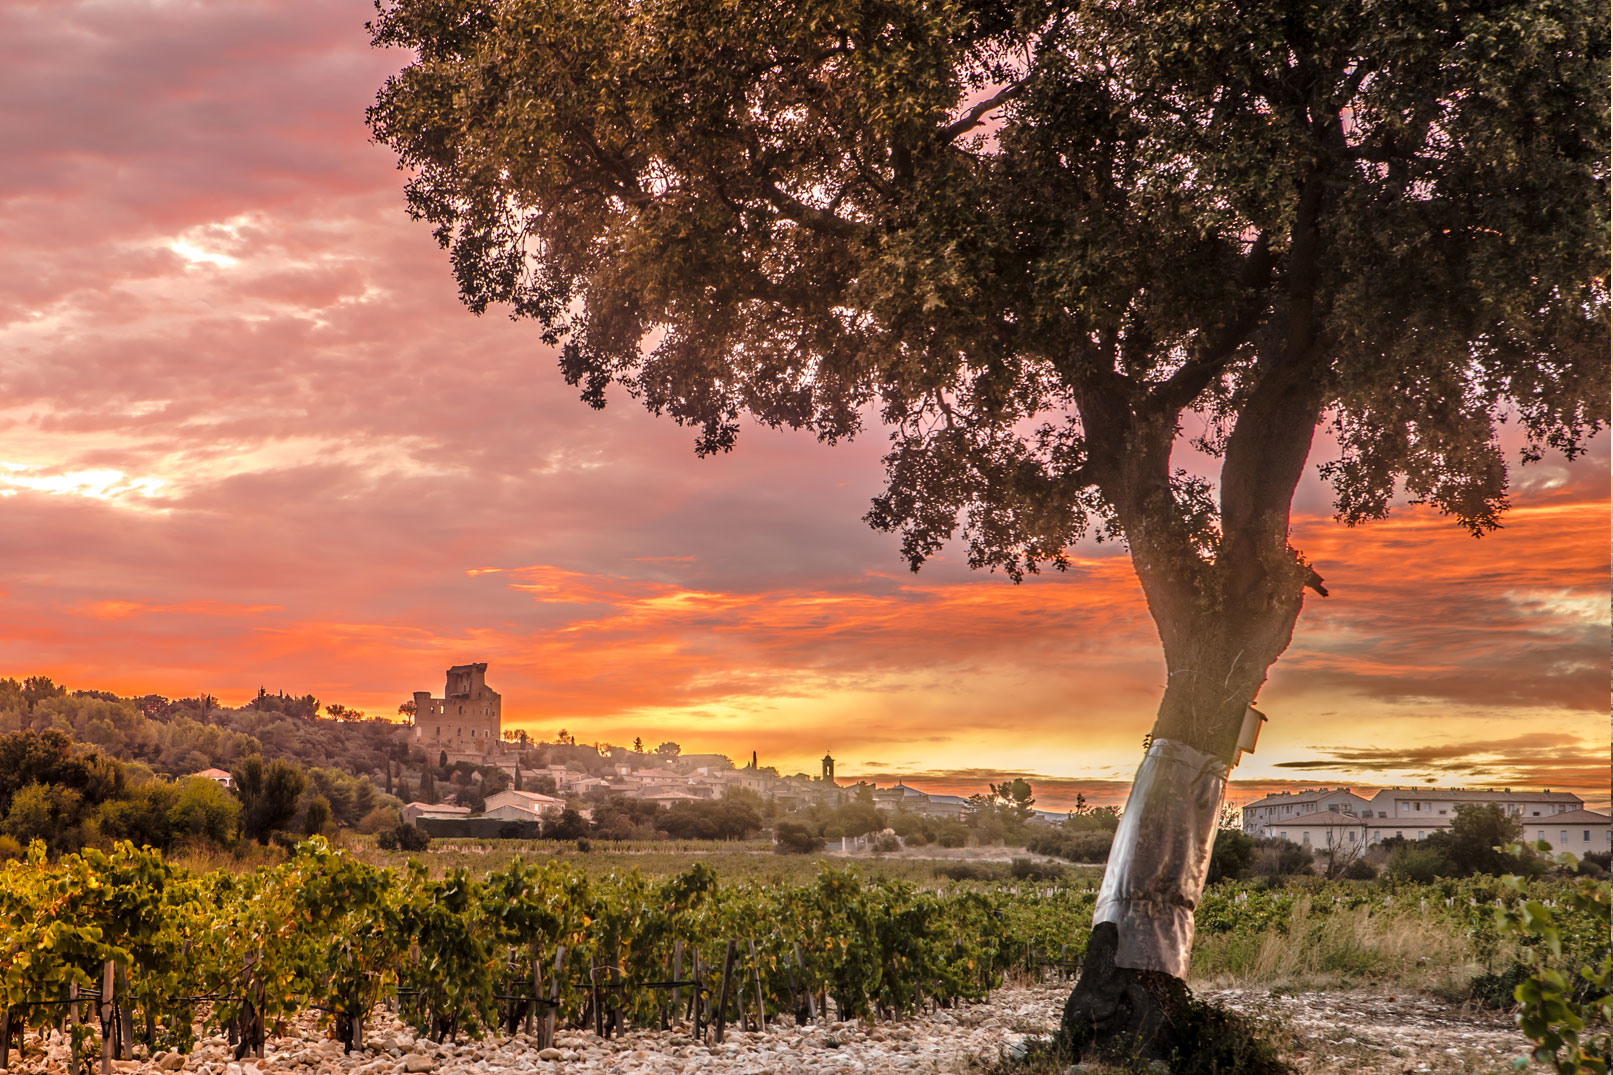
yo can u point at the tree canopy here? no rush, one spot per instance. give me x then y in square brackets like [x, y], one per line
[1048, 244]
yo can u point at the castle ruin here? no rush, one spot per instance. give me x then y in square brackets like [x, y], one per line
[466, 723]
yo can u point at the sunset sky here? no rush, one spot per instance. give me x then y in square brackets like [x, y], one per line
[250, 437]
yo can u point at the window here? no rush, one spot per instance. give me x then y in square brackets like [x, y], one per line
[1587, 835]
[1400, 833]
[1564, 836]
[1535, 814]
[1540, 834]
[1383, 813]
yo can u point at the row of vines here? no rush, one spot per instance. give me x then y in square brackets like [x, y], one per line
[461, 955]
[326, 932]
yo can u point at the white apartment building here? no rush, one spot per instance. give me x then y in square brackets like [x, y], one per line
[1284, 806]
[1558, 817]
[1320, 829]
[1421, 804]
[1578, 831]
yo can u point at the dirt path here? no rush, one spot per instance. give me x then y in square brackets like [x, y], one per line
[1358, 1032]
[1378, 1034]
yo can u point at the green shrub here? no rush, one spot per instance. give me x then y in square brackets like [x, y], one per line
[1280, 857]
[1565, 1011]
[1418, 865]
[1031, 870]
[1072, 846]
[402, 837]
[972, 871]
[204, 811]
[1231, 856]
[1359, 870]
[795, 838]
[379, 819]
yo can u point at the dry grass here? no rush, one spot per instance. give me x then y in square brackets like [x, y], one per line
[1394, 948]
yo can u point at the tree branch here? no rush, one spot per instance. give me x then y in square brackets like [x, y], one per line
[973, 118]
[819, 220]
[1217, 348]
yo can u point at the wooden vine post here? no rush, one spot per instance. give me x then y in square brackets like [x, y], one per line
[797, 1002]
[108, 1019]
[613, 1026]
[125, 1014]
[811, 998]
[537, 987]
[72, 1023]
[677, 976]
[694, 1001]
[722, 995]
[554, 998]
[593, 985]
[756, 980]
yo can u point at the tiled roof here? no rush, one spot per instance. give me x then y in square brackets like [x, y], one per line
[1309, 795]
[1472, 795]
[1573, 817]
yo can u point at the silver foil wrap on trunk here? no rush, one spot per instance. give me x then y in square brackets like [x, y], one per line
[1161, 856]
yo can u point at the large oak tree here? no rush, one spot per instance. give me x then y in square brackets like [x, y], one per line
[1040, 240]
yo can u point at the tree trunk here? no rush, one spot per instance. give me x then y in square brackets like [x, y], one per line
[1131, 1000]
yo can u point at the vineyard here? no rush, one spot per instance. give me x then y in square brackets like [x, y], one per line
[121, 950]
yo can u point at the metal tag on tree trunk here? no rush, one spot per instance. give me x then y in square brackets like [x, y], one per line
[1161, 856]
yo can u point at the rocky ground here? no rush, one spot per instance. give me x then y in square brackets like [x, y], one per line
[1359, 1033]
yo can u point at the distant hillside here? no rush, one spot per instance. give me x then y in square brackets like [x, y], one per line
[186, 735]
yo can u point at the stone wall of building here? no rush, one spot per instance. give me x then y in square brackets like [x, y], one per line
[466, 720]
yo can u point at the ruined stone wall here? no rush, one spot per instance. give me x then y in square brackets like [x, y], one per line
[468, 719]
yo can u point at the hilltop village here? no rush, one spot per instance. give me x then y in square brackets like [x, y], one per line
[87, 768]
[464, 728]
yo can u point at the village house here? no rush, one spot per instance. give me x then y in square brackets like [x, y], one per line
[901, 797]
[218, 776]
[413, 812]
[512, 805]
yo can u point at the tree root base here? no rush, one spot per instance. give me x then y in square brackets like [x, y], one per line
[1151, 1021]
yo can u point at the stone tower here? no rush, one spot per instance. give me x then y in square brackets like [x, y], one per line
[828, 769]
[466, 721]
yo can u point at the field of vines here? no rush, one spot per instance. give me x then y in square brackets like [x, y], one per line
[537, 944]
